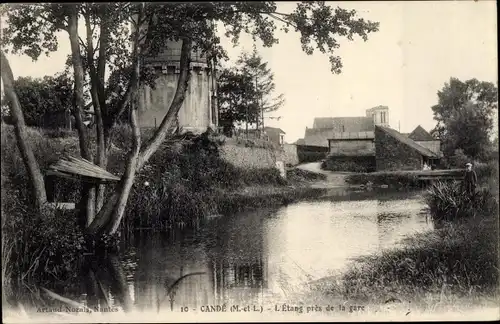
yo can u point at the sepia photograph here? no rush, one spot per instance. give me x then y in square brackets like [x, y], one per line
[263, 161]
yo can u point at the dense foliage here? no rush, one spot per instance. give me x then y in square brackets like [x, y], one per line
[464, 116]
[246, 92]
[41, 98]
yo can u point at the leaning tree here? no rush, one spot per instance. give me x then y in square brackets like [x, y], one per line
[110, 28]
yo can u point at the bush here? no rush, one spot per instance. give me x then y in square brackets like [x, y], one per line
[311, 153]
[457, 160]
[486, 170]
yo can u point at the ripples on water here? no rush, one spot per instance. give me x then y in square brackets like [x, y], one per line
[265, 255]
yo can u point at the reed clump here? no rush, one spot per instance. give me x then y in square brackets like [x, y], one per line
[449, 202]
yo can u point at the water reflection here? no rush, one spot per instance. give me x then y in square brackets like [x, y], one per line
[259, 257]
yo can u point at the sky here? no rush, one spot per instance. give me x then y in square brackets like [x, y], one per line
[418, 47]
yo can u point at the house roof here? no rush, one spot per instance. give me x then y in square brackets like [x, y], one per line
[274, 129]
[351, 124]
[408, 141]
[420, 134]
[300, 141]
[318, 137]
[353, 135]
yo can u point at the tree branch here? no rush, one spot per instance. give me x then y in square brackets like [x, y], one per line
[175, 105]
[82, 43]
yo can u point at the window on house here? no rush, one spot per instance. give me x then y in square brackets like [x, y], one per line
[383, 117]
[343, 128]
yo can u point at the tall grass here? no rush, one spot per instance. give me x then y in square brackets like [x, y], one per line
[47, 151]
[449, 202]
[455, 260]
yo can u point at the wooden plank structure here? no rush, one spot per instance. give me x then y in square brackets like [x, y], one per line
[429, 177]
[452, 174]
[80, 169]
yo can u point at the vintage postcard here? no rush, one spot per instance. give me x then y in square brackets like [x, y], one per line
[249, 161]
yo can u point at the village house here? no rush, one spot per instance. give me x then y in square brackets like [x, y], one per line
[394, 151]
[365, 144]
[275, 135]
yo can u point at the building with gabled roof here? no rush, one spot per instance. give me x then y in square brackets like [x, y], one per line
[425, 139]
[420, 134]
[396, 152]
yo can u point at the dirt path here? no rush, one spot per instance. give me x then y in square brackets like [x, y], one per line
[334, 179]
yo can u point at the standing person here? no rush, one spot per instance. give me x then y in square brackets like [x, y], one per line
[470, 180]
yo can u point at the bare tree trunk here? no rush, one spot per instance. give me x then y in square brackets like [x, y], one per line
[129, 174]
[88, 191]
[110, 216]
[32, 167]
[101, 157]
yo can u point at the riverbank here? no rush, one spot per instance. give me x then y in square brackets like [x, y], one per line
[184, 182]
[452, 268]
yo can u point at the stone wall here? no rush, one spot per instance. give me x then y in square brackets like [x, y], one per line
[255, 153]
[394, 155]
[247, 156]
[289, 154]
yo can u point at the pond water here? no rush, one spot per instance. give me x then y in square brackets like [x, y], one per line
[263, 256]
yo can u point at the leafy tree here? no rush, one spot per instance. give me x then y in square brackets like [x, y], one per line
[43, 96]
[236, 97]
[31, 29]
[262, 78]
[464, 117]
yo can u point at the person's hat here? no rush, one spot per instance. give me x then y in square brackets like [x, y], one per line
[468, 164]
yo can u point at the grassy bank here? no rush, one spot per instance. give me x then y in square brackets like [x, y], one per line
[449, 268]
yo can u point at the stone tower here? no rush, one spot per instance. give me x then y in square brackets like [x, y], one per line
[380, 115]
[199, 110]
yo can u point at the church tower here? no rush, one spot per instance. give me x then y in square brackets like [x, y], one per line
[380, 115]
